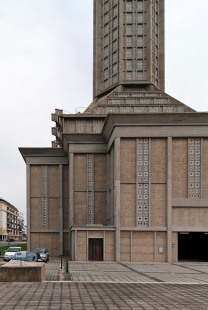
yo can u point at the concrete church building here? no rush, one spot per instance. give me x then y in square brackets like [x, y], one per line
[127, 179]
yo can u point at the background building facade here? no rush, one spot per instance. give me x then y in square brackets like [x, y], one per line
[11, 222]
[127, 179]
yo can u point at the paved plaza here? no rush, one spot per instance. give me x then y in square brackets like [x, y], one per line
[138, 272]
[112, 286]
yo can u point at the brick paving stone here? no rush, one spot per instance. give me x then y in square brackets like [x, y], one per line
[110, 294]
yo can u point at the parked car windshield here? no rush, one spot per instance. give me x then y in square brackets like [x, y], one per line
[39, 250]
[13, 250]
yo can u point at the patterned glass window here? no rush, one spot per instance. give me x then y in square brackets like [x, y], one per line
[80, 126]
[139, 18]
[140, 29]
[168, 109]
[125, 109]
[140, 75]
[106, 83]
[140, 53]
[97, 126]
[90, 188]
[139, 6]
[130, 101]
[44, 198]
[128, 41]
[115, 79]
[140, 64]
[106, 51]
[129, 65]
[140, 109]
[115, 34]
[139, 41]
[194, 168]
[143, 182]
[129, 52]
[115, 57]
[106, 40]
[106, 18]
[129, 30]
[153, 109]
[116, 101]
[115, 11]
[129, 18]
[129, 6]
[129, 75]
[106, 7]
[106, 29]
[105, 73]
[106, 62]
[115, 22]
[115, 45]
[115, 69]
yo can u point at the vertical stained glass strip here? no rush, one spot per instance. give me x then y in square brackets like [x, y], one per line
[143, 182]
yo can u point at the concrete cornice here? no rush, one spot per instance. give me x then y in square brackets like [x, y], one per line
[41, 152]
[93, 227]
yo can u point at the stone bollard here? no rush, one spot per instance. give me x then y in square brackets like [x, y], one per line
[60, 275]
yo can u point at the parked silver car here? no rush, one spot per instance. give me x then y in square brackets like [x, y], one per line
[44, 255]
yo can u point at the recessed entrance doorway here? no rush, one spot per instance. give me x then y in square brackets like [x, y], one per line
[193, 246]
[95, 249]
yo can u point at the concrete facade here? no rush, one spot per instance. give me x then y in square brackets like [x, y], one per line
[125, 178]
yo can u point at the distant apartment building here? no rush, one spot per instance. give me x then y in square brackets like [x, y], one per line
[11, 222]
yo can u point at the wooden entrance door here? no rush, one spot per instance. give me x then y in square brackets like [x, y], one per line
[95, 249]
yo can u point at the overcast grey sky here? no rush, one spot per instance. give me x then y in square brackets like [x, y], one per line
[46, 63]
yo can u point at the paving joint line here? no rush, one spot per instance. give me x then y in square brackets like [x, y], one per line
[191, 269]
[142, 273]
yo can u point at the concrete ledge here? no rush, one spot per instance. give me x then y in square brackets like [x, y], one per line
[190, 202]
[28, 272]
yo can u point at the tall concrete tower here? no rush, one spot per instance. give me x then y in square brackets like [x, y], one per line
[128, 44]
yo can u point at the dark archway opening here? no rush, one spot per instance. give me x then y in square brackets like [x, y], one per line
[193, 246]
[95, 249]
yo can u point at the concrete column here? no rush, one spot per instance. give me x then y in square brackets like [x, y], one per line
[28, 205]
[202, 161]
[61, 208]
[75, 246]
[112, 178]
[155, 240]
[169, 199]
[117, 197]
[104, 246]
[71, 200]
[108, 220]
[87, 255]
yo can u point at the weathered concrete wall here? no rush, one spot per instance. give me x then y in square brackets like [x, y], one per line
[190, 217]
[109, 246]
[158, 162]
[142, 246]
[81, 245]
[125, 246]
[128, 160]
[180, 168]
[128, 205]
[158, 213]
[161, 241]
